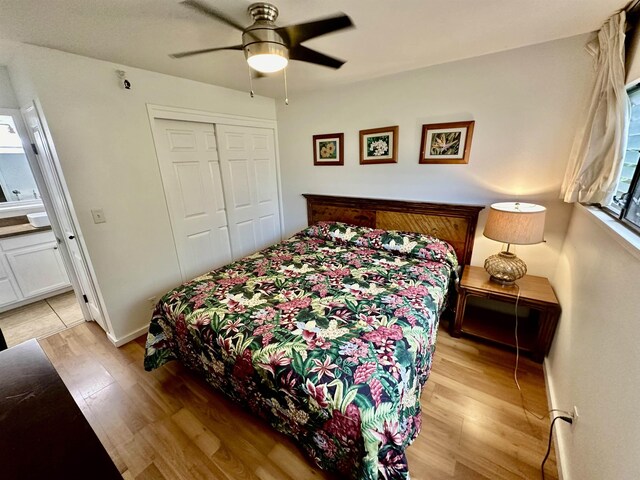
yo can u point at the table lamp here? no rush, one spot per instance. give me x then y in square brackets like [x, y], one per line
[512, 223]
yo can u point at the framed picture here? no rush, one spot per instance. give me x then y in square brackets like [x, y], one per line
[328, 149]
[379, 145]
[446, 142]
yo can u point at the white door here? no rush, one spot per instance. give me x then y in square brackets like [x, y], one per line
[248, 163]
[61, 222]
[190, 171]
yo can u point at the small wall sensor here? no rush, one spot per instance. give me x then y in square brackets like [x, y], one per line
[122, 75]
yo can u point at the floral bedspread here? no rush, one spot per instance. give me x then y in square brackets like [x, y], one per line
[329, 336]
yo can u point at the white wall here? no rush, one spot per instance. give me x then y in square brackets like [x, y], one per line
[7, 97]
[595, 356]
[103, 139]
[526, 104]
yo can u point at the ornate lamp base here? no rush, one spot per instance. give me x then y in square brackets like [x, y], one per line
[505, 268]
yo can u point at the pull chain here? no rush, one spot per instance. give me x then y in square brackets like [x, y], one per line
[286, 94]
[250, 83]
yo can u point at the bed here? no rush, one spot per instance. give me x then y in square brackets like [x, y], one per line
[329, 335]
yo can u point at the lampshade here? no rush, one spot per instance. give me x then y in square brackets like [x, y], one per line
[516, 223]
[267, 57]
[512, 223]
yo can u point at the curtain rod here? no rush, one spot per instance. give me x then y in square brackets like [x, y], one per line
[632, 5]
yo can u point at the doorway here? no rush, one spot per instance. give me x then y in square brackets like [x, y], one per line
[44, 284]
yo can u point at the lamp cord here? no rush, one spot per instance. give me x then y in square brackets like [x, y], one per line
[567, 417]
[515, 371]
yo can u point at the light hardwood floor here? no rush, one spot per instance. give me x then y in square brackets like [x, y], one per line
[40, 319]
[168, 424]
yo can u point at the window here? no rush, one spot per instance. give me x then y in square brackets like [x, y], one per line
[626, 201]
[16, 179]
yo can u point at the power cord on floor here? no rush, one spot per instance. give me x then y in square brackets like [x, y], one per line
[546, 456]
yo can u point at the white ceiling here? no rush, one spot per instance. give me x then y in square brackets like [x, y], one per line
[391, 35]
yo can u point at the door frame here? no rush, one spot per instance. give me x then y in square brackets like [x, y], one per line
[201, 116]
[50, 180]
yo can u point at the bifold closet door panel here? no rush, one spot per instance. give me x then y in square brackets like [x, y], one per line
[249, 177]
[190, 169]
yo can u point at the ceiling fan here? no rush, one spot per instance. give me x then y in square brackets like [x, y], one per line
[267, 47]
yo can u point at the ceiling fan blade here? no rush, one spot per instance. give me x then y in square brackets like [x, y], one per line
[212, 12]
[296, 34]
[204, 50]
[305, 54]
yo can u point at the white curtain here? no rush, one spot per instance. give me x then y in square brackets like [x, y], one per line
[598, 150]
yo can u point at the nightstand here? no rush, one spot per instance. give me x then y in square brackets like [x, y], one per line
[487, 310]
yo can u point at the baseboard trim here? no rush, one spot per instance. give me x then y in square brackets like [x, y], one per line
[558, 439]
[118, 342]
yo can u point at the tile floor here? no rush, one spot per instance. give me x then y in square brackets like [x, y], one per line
[41, 319]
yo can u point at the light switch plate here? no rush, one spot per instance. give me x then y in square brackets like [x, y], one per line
[98, 216]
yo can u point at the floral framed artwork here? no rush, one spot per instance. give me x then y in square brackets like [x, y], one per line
[446, 142]
[379, 145]
[328, 149]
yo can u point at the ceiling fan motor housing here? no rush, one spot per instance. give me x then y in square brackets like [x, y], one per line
[263, 11]
[261, 37]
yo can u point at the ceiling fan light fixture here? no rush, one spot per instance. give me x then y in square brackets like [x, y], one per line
[267, 57]
[267, 62]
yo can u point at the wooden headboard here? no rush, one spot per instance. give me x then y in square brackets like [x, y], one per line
[455, 224]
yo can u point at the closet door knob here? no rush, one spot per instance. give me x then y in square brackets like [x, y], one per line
[71, 237]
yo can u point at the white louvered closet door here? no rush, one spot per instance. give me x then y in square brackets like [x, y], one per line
[188, 159]
[249, 177]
